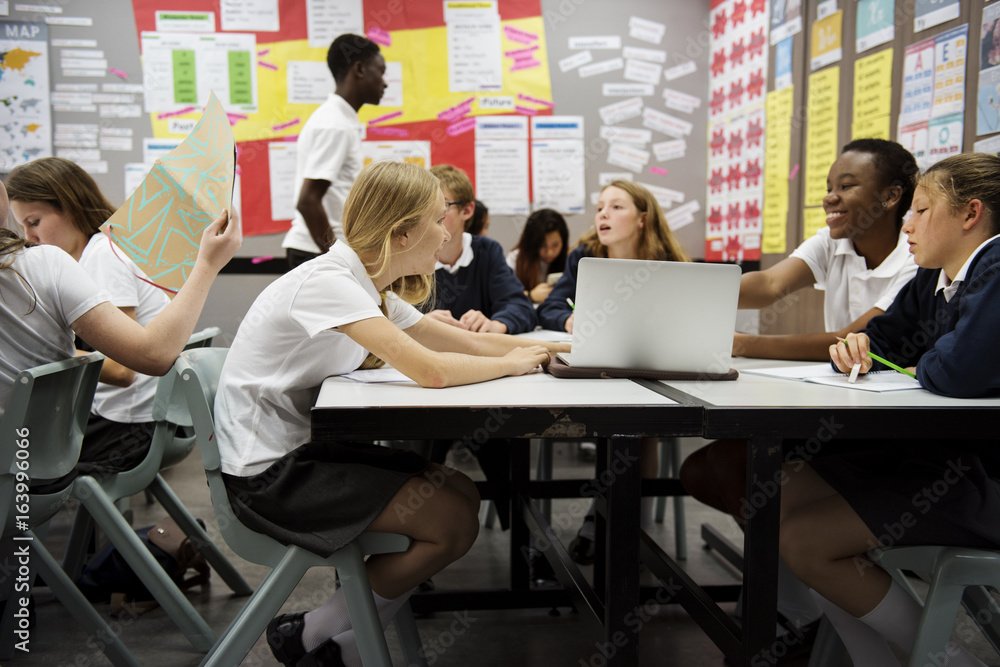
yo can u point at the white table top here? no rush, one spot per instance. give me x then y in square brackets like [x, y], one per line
[532, 390]
[760, 391]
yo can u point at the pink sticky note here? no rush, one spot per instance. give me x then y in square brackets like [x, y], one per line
[179, 112]
[518, 35]
[525, 111]
[454, 113]
[517, 54]
[379, 36]
[260, 260]
[385, 117]
[282, 126]
[263, 52]
[267, 65]
[535, 100]
[526, 63]
[658, 170]
[388, 131]
[795, 170]
[461, 127]
[118, 73]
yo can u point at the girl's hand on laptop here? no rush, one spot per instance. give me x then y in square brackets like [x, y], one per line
[569, 324]
[445, 316]
[526, 359]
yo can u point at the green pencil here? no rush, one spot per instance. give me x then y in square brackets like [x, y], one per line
[891, 365]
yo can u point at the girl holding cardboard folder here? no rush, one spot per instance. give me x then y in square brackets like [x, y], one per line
[943, 324]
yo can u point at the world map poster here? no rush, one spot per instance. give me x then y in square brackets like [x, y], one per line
[24, 85]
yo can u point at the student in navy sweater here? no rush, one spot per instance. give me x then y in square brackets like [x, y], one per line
[943, 326]
[475, 289]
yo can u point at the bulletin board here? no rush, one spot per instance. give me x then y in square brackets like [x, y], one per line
[626, 78]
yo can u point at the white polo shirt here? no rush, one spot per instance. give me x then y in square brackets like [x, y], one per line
[123, 282]
[285, 347]
[852, 289]
[328, 149]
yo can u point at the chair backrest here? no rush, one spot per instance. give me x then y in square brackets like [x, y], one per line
[197, 373]
[203, 338]
[42, 427]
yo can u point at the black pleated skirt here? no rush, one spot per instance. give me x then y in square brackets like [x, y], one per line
[944, 494]
[321, 496]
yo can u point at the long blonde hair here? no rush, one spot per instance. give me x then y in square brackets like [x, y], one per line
[387, 200]
[656, 241]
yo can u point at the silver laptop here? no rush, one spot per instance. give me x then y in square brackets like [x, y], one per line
[654, 316]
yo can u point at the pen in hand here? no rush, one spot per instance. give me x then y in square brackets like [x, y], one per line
[570, 302]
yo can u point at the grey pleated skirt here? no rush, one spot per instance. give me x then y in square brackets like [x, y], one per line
[321, 496]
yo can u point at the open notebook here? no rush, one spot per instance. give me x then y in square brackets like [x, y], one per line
[823, 373]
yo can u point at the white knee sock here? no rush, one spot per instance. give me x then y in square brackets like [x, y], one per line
[897, 617]
[795, 600]
[349, 649]
[865, 645]
[332, 619]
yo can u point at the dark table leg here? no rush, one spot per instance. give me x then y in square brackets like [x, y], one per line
[760, 548]
[621, 550]
[520, 457]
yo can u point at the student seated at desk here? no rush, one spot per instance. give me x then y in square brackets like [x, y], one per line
[475, 289]
[46, 296]
[58, 203]
[346, 309]
[629, 225]
[943, 326]
[541, 251]
[860, 259]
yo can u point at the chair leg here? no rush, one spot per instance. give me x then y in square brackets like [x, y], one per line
[173, 601]
[206, 547]
[250, 623]
[81, 609]
[543, 470]
[665, 462]
[828, 650]
[490, 516]
[936, 622]
[81, 535]
[409, 637]
[361, 608]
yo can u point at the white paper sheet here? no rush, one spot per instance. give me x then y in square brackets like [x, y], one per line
[558, 174]
[474, 53]
[308, 82]
[502, 175]
[281, 168]
[326, 20]
[249, 15]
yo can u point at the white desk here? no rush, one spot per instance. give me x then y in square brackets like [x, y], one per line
[532, 406]
[768, 411]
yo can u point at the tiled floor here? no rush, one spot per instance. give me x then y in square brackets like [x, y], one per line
[526, 638]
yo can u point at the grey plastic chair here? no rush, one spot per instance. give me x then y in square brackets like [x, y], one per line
[198, 374]
[952, 570]
[53, 403]
[98, 498]
[670, 464]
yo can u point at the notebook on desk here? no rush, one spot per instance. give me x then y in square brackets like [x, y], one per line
[636, 315]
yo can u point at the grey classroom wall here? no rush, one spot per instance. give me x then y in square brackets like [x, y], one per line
[686, 39]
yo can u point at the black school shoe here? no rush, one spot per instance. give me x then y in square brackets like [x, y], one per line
[284, 637]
